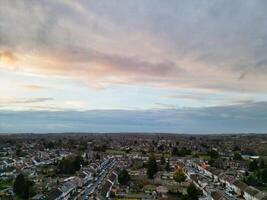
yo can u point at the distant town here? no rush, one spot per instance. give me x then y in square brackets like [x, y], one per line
[133, 166]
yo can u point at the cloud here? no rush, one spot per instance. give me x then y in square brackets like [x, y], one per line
[16, 101]
[241, 118]
[7, 58]
[34, 87]
[193, 44]
[97, 68]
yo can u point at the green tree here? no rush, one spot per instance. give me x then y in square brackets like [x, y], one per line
[251, 180]
[263, 175]
[18, 187]
[192, 192]
[262, 164]
[167, 166]
[23, 187]
[179, 175]
[182, 152]
[253, 166]
[152, 167]
[19, 151]
[236, 148]
[237, 156]
[213, 154]
[70, 164]
[124, 177]
[162, 159]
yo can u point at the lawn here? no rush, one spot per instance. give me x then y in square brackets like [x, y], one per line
[262, 189]
[6, 184]
[115, 152]
[204, 157]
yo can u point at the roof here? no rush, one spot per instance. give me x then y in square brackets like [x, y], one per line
[217, 195]
[251, 191]
[228, 178]
[180, 164]
[54, 194]
[67, 187]
[162, 189]
[112, 177]
[38, 197]
[261, 195]
[241, 185]
[194, 177]
[82, 175]
[106, 188]
[214, 171]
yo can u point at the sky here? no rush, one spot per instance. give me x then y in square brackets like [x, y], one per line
[195, 66]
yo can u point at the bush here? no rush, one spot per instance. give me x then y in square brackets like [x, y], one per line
[23, 187]
[70, 165]
[179, 175]
[151, 166]
[124, 177]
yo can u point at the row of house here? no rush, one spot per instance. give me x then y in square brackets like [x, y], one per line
[240, 188]
[70, 186]
[105, 189]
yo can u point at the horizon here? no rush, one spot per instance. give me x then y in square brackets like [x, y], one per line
[132, 133]
[132, 66]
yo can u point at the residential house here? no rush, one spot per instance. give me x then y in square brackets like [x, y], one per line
[252, 193]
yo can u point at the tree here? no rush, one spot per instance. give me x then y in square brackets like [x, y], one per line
[213, 154]
[236, 148]
[161, 148]
[78, 160]
[182, 152]
[175, 151]
[251, 180]
[192, 192]
[151, 166]
[70, 164]
[179, 175]
[124, 177]
[211, 162]
[23, 187]
[100, 148]
[253, 166]
[19, 151]
[162, 159]
[262, 164]
[18, 187]
[237, 156]
[167, 166]
[262, 175]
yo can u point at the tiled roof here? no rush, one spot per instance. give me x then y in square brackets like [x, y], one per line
[54, 194]
[241, 185]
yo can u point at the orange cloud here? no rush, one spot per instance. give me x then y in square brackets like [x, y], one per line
[100, 70]
[33, 87]
[95, 68]
[7, 57]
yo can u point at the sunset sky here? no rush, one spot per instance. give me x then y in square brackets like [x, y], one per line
[194, 66]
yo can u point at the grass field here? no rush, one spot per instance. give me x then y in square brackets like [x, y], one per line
[205, 157]
[6, 184]
[116, 152]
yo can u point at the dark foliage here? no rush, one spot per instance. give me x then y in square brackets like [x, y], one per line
[124, 177]
[70, 165]
[23, 187]
[151, 166]
[182, 152]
